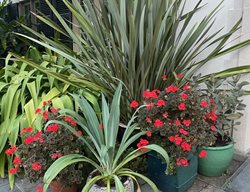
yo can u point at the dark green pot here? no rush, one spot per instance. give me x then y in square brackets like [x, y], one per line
[179, 182]
[217, 162]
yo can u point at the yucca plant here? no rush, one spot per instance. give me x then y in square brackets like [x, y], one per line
[136, 41]
[103, 145]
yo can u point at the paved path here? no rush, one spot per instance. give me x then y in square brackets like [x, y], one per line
[201, 184]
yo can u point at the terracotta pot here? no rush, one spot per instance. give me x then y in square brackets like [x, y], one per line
[57, 186]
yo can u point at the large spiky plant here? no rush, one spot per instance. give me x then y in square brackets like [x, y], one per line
[136, 41]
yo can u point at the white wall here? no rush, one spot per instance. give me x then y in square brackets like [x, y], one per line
[232, 10]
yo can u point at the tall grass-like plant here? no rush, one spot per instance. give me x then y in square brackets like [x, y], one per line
[136, 41]
[109, 161]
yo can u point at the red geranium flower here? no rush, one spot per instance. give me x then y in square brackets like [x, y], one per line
[213, 128]
[11, 150]
[54, 156]
[26, 130]
[44, 103]
[149, 134]
[182, 162]
[187, 87]
[39, 188]
[141, 145]
[204, 103]
[134, 104]
[68, 119]
[186, 146]
[36, 166]
[74, 123]
[178, 140]
[14, 170]
[54, 110]
[180, 75]
[164, 76]
[160, 103]
[158, 123]
[186, 122]
[38, 111]
[182, 107]
[148, 120]
[17, 160]
[177, 122]
[29, 140]
[45, 115]
[171, 138]
[172, 89]
[184, 96]
[203, 154]
[52, 128]
[183, 131]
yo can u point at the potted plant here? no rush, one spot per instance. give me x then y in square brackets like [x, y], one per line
[225, 95]
[111, 172]
[41, 148]
[176, 118]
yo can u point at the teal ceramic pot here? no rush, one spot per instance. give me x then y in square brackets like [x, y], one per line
[180, 182]
[217, 162]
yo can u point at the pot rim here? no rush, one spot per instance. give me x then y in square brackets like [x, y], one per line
[219, 148]
[129, 180]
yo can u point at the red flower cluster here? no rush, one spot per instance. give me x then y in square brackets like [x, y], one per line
[39, 188]
[203, 154]
[14, 170]
[134, 104]
[158, 123]
[52, 128]
[175, 139]
[183, 131]
[182, 107]
[36, 166]
[141, 145]
[151, 94]
[172, 89]
[17, 160]
[55, 155]
[212, 116]
[186, 122]
[182, 162]
[70, 120]
[184, 96]
[11, 150]
[204, 103]
[36, 137]
[26, 130]
[160, 103]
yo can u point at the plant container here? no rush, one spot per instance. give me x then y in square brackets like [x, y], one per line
[128, 185]
[218, 160]
[179, 182]
[57, 186]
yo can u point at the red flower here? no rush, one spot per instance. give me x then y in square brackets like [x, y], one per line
[52, 128]
[158, 123]
[39, 188]
[212, 116]
[160, 103]
[185, 146]
[141, 145]
[149, 106]
[134, 104]
[68, 119]
[11, 150]
[203, 154]
[29, 140]
[213, 128]
[54, 110]
[177, 122]
[184, 96]
[26, 130]
[38, 136]
[79, 132]
[183, 131]
[164, 76]
[187, 87]
[148, 120]
[182, 162]
[14, 170]
[36, 166]
[172, 89]
[44, 103]
[171, 138]
[17, 160]
[178, 140]
[204, 103]
[186, 122]
[59, 155]
[182, 107]
[180, 75]
[38, 111]
[151, 94]
[45, 115]
[74, 123]
[54, 156]
[149, 134]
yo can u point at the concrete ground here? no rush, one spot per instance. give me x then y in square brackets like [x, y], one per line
[201, 184]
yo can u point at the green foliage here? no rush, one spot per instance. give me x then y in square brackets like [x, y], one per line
[108, 159]
[136, 41]
[227, 94]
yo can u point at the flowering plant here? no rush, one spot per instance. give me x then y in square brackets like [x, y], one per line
[180, 119]
[40, 149]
